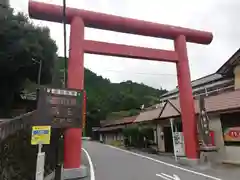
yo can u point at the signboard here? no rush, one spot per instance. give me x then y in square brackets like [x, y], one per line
[232, 134]
[179, 143]
[41, 135]
[59, 108]
[203, 125]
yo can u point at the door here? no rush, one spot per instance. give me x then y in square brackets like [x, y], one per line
[168, 139]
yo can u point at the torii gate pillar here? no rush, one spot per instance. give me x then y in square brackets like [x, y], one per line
[78, 19]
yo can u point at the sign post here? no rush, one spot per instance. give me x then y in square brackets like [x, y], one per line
[40, 163]
[56, 108]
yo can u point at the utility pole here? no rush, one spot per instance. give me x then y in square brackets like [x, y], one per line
[39, 76]
[65, 47]
[59, 135]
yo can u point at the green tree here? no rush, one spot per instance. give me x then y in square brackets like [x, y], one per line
[22, 43]
[106, 100]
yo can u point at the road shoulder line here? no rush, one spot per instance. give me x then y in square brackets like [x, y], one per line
[92, 173]
[165, 163]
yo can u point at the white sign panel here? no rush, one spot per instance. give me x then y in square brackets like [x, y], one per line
[179, 143]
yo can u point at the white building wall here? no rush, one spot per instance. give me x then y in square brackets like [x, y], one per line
[160, 138]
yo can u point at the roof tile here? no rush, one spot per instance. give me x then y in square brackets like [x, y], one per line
[148, 115]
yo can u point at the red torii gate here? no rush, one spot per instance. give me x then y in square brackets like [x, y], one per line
[78, 19]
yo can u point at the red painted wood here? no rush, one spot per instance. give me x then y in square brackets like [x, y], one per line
[91, 19]
[119, 50]
[186, 99]
[73, 136]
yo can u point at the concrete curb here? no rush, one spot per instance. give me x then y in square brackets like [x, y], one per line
[79, 173]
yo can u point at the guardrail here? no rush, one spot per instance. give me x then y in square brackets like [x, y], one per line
[11, 126]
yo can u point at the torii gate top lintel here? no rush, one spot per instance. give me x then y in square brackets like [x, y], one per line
[50, 12]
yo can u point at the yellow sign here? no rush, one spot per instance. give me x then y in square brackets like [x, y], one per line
[41, 135]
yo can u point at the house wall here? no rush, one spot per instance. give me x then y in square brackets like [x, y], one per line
[160, 138]
[237, 77]
[216, 126]
[232, 154]
[155, 136]
[109, 137]
[223, 152]
[229, 154]
[231, 120]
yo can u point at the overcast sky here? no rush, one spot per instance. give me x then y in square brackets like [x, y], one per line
[218, 16]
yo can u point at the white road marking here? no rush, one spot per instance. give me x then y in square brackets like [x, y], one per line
[168, 176]
[176, 177]
[92, 173]
[163, 177]
[167, 164]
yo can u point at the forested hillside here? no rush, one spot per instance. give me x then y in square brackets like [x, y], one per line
[111, 100]
[22, 47]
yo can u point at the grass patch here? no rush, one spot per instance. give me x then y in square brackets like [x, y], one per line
[116, 143]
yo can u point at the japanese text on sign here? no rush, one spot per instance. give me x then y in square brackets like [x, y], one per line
[41, 135]
[232, 134]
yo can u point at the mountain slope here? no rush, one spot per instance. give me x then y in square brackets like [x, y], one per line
[104, 97]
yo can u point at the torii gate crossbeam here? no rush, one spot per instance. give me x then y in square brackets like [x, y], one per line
[78, 19]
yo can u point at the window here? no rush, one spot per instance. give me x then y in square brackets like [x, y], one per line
[231, 128]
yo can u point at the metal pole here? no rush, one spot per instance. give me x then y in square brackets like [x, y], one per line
[38, 78]
[58, 168]
[39, 73]
[41, 155]
[65, 47]
[40, 164]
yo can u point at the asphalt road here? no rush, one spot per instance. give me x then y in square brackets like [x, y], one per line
[114, 164]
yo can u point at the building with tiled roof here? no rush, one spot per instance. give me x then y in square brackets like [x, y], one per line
[221, 93]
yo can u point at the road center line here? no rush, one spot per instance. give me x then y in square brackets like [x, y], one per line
[92, 173]
[167, 164]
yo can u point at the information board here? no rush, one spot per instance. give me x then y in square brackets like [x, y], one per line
[59, 108]
[41, 135]
[179, 143]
